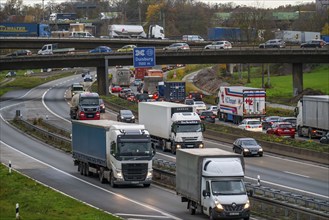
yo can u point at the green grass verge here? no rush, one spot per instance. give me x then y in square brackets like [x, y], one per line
[24, 82]
[39, 202]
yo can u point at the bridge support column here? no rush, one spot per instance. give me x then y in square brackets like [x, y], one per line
[103, 80]
[297, 78]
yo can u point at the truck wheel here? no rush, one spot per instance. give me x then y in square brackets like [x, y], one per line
[81, 164]
[147, 185]
[163, 145]
[310, 136]
[246, 218]
[101, 175]
[211, 214]
[299, 132]
[173, 148]
[191, 208]
[86, 171]
[113, 185]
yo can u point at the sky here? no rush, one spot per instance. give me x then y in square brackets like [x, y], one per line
[253, 3]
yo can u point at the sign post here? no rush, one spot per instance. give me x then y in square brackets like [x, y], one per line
[144, 57]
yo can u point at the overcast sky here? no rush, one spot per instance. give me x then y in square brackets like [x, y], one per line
[254, 3]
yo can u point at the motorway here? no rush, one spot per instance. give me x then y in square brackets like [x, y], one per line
[55, 168]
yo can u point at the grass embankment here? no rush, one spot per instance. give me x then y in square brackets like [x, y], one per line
[39, 202]
[28, 82]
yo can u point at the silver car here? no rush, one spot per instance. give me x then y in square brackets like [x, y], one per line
[177, 46]
[219, 45]
[274, 43]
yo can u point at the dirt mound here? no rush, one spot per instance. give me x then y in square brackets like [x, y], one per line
[307, 91]
[209, 81]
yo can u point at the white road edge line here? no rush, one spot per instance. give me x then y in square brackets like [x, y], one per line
[98, 187]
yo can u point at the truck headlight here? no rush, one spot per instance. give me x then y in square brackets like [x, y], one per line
[119, 174]
[247, 205]
[149, 174]
[201, 145]
[219, 206]
[178, 146]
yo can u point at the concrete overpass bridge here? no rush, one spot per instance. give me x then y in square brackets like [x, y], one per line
[296, 57]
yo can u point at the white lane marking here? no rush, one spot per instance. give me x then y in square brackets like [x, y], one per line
[98, 187]
[149, 216]
[287, 187]
[296, 174]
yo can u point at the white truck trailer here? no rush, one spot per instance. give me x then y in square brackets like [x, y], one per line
[312, 114]
[117, 152]
[171, 125]
[238, 102]
[135, 31]
[211, 182]
[121, 77]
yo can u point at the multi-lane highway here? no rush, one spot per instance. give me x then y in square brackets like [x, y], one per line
[55, 168]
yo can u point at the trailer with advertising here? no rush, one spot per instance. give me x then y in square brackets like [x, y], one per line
[24, 30]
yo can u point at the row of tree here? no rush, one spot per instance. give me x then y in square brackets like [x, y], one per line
[179, 17]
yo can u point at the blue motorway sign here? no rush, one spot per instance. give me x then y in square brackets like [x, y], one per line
[144, 57]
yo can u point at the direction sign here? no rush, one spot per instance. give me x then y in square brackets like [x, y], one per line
[144, 57]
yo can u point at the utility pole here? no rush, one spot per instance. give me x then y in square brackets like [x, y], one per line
[43, 10]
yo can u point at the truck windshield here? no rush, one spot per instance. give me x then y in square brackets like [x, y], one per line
[228, 187]
[188, 128]
[89, 101]
[134, 149]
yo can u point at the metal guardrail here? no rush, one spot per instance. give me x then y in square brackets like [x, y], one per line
[266, 200]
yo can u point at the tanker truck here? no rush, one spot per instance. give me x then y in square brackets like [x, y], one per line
[117, 152]
[85, 106]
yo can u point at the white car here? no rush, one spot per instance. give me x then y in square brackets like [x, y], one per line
[251, 125]
[213, 108]
[219, 45]
[199, 106]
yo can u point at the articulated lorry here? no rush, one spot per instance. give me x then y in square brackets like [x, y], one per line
[312, 114]
[150, 84]
[121, 77]
[211, 182]
[85, 106]
[135, 31]
[117, 152]
[171, 125]
[172, 91]
[49, 49]
[24, 30]
[238, 102]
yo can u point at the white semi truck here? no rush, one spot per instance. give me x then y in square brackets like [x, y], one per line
[117, 152]
[135, 31]
[238, 102]
[171, 125]
[211, 182]
[312, 114]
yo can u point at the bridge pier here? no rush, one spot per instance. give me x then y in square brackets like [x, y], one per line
[297, 78]
[103, 79]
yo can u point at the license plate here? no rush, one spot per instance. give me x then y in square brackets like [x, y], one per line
[90, 116]
[190, 145]
[134, 182]
[234, 213]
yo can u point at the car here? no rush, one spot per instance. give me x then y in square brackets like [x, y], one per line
[274, 43]
[189, 102]
[208, 116]
[20, 53]
[251, 125]
[116, 89]
[325, 139]
[126, 116]
[131, 97]
[137, 82]
[87, 78]
[122, 93]
[29, 73]
[199, 106]
[11, 74]
[142, 97]
[315, 43]
[292, 120]
[282, 129]
[247, 147]
[127, 48]
[218, 45]
[177, 46]
[102, 106]
[213, 108]
[269, 121]
[101, 49]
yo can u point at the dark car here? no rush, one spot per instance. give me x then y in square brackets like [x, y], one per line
[313, 44]
[102, 105]
[101, 49]
[269, 121]
[126, 116]
[291, 120]
[124, 92]
[20, 53]
[142, 97]
[247, 147]
[208, 116]
[282, 129]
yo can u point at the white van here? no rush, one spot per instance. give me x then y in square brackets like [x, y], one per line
[81, 34]
[192, 38]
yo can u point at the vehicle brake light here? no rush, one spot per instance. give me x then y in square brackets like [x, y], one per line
[293, 130]
[202, 116]
[213, 116]
[279, 130]
[260, 126]
[82, 114]
[247, 126]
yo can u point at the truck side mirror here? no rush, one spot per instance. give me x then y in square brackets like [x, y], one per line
[203, 127]
[250, 193]
[205, 193]
[296, 111]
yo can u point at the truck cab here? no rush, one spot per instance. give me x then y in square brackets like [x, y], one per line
[76, 88]
[85, 106]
